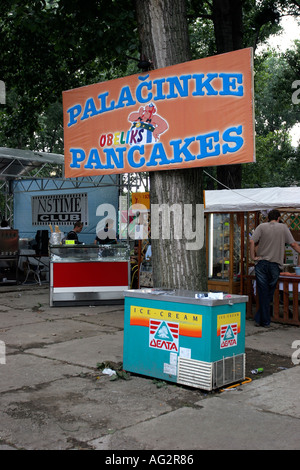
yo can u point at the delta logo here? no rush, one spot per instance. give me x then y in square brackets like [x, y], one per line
[228, 336]
[163, 335]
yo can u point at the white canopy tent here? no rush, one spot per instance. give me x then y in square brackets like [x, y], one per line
[253, 199]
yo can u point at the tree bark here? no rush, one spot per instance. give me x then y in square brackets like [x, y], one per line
[175, 266]
[164, 40]
[228, 25]
[163, 31]
[228, 28]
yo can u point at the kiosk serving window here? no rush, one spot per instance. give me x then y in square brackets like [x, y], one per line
[224, 250]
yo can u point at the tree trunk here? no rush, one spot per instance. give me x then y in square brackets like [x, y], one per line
[228, 27]
[175, 266]
[164, 40]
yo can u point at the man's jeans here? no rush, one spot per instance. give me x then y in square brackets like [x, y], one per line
[267, 275]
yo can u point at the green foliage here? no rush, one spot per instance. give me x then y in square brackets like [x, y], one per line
[202, 38]
[277, 161]
[50, 135]
[273, 90]
[51, 46]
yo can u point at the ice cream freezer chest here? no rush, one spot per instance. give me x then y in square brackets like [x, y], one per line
[174, 336]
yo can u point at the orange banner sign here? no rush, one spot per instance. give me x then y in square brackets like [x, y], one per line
[197, 113]
[141, 198]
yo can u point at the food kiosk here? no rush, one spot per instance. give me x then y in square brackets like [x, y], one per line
[226, 247]
[88, 274]
[231, 218]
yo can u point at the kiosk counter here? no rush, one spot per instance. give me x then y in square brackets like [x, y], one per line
[88, 274]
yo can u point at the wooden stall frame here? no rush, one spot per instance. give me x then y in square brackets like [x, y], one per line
[285, 303]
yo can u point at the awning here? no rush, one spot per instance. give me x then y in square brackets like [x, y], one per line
[15, 163]
[253, 199]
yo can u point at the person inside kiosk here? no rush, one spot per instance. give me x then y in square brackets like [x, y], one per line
[73, 234]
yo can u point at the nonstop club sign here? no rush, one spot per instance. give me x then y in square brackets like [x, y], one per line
[59, 209]
[198, 113]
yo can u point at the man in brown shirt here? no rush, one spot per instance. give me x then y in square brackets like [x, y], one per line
[271, 238]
